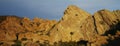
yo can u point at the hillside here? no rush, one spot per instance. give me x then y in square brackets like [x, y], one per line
[76, 28]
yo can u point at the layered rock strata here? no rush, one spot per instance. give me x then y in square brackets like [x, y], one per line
[77, 27]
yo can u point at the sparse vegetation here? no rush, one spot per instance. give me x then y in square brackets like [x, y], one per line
[24, 39]
[17, 43]
[1, 43]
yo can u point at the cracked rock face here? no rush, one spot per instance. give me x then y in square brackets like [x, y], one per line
[76, 27]
[104, 19]
[14, 28]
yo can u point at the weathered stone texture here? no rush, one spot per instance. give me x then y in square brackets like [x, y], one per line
[76, 27]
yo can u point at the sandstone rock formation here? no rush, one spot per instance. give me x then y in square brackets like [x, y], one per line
[104, 19]
[15, 28]
[76, 25]
[76, 28]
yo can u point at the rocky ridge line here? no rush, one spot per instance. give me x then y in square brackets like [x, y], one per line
[76, 27]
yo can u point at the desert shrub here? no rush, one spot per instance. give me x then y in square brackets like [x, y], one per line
[24, 39]
[17, 43]
[1, 43]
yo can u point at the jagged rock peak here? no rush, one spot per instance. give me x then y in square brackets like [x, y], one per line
[76, 26]
[74, 9]
[9, 16]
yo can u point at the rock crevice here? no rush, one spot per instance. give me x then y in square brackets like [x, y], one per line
[76, 28]
[95, 24]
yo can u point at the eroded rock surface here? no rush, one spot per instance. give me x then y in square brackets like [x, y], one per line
[76, 25]
[76, 28]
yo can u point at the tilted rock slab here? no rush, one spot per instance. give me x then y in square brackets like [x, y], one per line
[104, 19]
[76, 25]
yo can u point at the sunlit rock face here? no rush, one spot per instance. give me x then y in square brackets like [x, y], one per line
[117, 14]
[104, 19]
[9, 27]
[15, 28]
[75, 25]
[76, 28]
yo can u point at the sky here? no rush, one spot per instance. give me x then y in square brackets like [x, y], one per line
[52, 9]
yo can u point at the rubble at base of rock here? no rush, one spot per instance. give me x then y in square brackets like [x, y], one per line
[76, 28]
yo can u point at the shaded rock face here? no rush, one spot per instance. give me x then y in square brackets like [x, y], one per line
[76, 28]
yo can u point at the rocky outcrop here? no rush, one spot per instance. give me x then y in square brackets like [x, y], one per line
[14, 28]
[76, 25]
[76, 28]
[104, 19]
